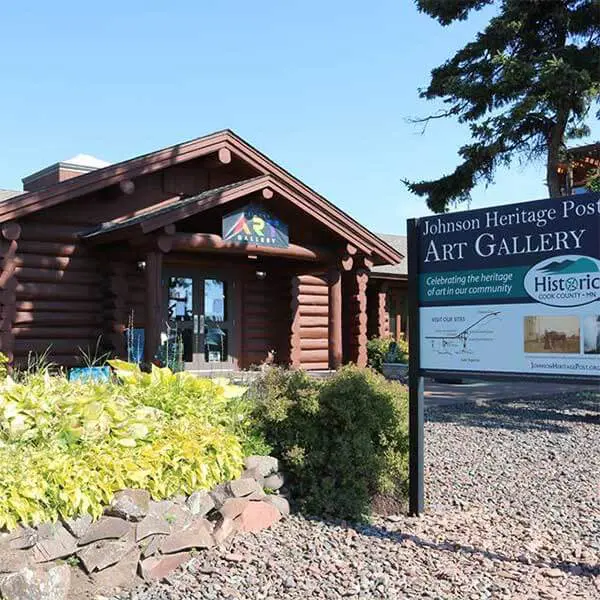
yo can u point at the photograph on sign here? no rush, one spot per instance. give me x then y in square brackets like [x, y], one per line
[512, 289]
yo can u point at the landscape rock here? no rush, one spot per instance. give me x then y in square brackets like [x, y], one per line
[265, 465]
[200, 503]
[101, 555]
[157, 568]
[78, 526]
[160, 508]
[252, 474]
[196, 535]
[151, 525]
[280, 503]
[274, 481]
[178, 516]
[56, 543]
[233, 507]
[150, 546]
[257, 516]
[244, 487]
[104, 529]
[122, 575]
[22, 538]
[15, 560]
[219, 494]
[225, 529]
[130, 504]
[37, 584]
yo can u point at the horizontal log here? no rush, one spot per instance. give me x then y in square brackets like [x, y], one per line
[312, 279]
[56, 332]
[311, 321]
[47, 291]
[313, 290]
[51, 248]
[317, 366]
[314, 344]
[314, 355]
[313, 332]
[208, 242]
[58, 346]
[56, 262]
[58, 306]
[313, 309]
[54, 275]
[306, 299]
[57, 318]
[49, 232]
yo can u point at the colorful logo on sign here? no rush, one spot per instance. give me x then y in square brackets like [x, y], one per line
[254, 225]
[571, 280]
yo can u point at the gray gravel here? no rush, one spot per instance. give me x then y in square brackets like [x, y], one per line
[513, 512]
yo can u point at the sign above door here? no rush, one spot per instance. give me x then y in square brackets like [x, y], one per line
[252, 224]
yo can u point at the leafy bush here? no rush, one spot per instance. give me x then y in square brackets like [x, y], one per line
[386, 349]
[75, 444]
[344, 440]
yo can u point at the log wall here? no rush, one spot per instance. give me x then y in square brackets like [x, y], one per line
[310, 322]
[355, 316]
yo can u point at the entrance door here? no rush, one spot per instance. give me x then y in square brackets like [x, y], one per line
[200, 317]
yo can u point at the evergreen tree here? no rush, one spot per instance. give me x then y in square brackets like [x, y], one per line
[524, 86]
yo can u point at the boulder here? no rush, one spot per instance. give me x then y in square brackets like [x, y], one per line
[226, 528]
[220, 494]
[78, 526]
[274, 481]
[122, 575]
[37, 584]
[15, 560]
[265, 465]
[280, 503]
[196, 535]
[99, 556]
[22, 538]
[252, 474]
[178, 516]
[257, 516]
[200, 503]
[130, 504]
[233, 507]
[150, 546]
[158, 509]
[55, 542]
[105, 528]
[151, 525]
[157, 568]
[244, 487]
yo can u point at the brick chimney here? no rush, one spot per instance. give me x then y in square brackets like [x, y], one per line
[61, 171]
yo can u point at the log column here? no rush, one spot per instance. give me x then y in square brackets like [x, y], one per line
[154, 260]
[335, 317]
[10, 233]
[383, 311]
[356, 316]
[116, 306]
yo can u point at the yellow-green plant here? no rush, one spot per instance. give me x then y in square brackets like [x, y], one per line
[67, 447]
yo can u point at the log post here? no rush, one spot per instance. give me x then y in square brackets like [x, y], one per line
[153, 303]
[335, 318]
[295, 330]
[383, 311]
[8, 287]
[357, 316]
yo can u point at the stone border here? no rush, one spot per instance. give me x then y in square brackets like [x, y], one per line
[139, 536]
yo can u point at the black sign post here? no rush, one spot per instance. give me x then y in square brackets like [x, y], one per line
[504, 293]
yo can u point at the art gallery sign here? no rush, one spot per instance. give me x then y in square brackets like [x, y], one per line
[507, 292]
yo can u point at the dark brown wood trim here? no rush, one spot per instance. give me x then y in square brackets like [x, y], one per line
[335, 318]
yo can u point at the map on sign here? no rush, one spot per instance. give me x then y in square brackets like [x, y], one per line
[448, 338]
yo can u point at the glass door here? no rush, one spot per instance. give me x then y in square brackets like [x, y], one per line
[199, 316]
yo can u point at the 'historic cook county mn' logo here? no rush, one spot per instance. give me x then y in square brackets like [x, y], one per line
[564, 280]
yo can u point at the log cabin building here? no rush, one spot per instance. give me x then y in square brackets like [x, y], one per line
[208, 238]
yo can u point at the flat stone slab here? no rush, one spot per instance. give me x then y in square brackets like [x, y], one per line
[257, 516]
[157, 568]
[23, 538]
[104, 529]
[15, 560]
[178, 516]
[200, 503]
[151, 545]
[233, 507]
[78, 526]
[160, 507]
[274, 482]
[37, 584]
[57, 543]
[219, 494]
[122, 575]
[196, 535]
[99, 556]
[280, 503]
[225, 529]
[151, 525]
[244, 487]
[130, 504]
[265, 465]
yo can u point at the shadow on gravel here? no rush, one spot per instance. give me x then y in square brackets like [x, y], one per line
[574, 568]
[545, 413]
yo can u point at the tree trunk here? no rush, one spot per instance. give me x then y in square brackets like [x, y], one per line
[555, 142]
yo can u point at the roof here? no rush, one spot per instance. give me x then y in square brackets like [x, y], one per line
[175, 206]
[6, 194]
[400, 269]
[312, 202]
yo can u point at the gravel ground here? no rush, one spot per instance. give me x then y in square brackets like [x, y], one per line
[513, 512]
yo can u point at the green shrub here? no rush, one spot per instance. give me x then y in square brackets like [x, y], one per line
[75, 444]
[343, 440]
[386, 349]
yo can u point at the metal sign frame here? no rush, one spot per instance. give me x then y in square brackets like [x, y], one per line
[416, 374]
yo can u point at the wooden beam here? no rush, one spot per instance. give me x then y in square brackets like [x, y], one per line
[153, 304]
[127, 186]
[267, 193]
[335, 318]
[208, 242]
[218, 159]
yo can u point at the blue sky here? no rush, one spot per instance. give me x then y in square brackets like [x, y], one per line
[323, 88]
